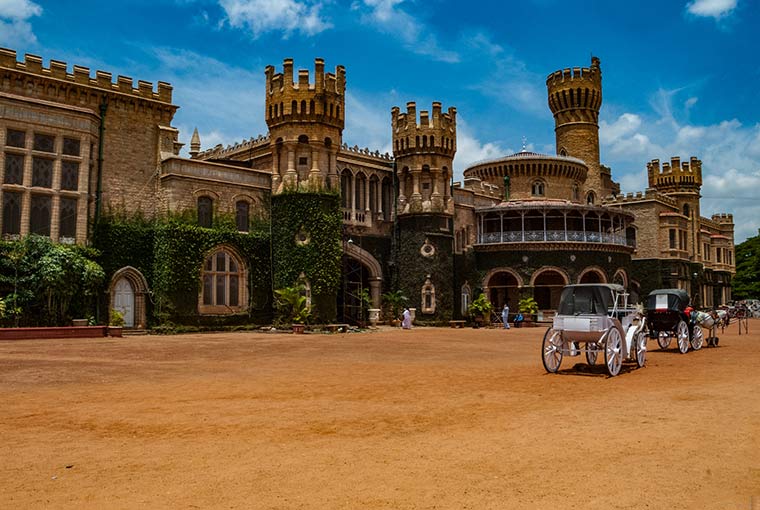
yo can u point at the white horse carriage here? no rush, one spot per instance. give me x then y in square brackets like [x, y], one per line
[594, 318]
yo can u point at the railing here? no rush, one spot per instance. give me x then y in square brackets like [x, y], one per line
[532, 236]
[357, 217]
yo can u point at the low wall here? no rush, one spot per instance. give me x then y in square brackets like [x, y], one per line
[57, 332]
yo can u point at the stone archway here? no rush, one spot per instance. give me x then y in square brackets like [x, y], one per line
[127, 293]
[592, 274]
[547, 283]
[372, 266]
[502, 285]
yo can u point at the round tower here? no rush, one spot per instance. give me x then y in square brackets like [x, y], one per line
[305, 123]
[424, 153]
[575, 97]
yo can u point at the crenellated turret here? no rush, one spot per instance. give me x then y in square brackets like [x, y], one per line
[424, 149]
[306, 121]
[676, 176]
[575, 97]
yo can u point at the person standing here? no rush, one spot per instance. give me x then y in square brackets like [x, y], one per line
[406, 321]
[505, 316]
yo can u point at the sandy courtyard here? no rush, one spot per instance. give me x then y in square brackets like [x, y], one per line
[428, 418]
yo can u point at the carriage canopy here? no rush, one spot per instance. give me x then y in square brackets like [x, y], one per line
[668, 299]
[588, 299]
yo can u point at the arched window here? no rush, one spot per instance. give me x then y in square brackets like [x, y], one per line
[428, 297]
[590, 198]
[563, 152]
[242, 215]
[466, 293]
[303, 139]
[293, 107]
[345, 188]
[537, 188]
[224, 280]
[686, 210]
[630, 236]
[576, 193]
[205, 211]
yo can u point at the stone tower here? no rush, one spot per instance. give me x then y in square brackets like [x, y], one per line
[305, 123]
[424, 153]
[575, 97]
[683, 182]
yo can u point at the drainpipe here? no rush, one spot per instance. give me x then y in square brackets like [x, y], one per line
[101, 144]
[99, 185]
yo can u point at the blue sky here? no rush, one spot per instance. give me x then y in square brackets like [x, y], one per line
[680, 76]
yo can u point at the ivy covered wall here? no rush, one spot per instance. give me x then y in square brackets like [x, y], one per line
[416, 231]
[306, 238]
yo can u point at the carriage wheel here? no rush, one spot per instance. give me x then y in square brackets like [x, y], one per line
[552, 350]
[592, 352]
[697, 337]
[663, 339]
[640, 345]
[682, 335]
[613, 351]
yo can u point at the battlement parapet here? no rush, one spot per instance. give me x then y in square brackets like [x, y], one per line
[676, 175]
[322, 100]
[436, 133]
[648, 194]
[723, 218]
[221, 152]
[577, 75]
[58, 70]
[365, 152]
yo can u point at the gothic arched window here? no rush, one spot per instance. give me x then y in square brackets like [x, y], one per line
[242, 215]
[466, 294]
[224, 283]
[428, 297]
[537, 188]
[590, 198]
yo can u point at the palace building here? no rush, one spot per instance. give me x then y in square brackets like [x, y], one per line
[75, 148]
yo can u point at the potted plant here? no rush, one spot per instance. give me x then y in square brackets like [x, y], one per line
[480, 309]
[528, 307]
[293, 308]
[115, 323]
[394, 302]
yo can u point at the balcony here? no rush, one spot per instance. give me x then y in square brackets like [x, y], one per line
[554, 236]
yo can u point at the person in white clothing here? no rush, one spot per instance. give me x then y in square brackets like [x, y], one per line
[406, 322]
[505, 316]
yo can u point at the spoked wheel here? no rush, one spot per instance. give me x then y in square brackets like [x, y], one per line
[592, 352]
[552, 350]
[640, 346]
[613, 351]
[697, 337]
[663, 339]
[682, 335]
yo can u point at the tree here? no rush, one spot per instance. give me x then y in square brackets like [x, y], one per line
[746, 283]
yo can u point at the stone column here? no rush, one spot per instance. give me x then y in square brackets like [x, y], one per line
[332, 171]
[291, 176]
[379, 199]
[26, 196]
[435, 197]
[353, 197]
[55, 217]
[276, 179]
[416, 201]
[315, 176]
[375, 285]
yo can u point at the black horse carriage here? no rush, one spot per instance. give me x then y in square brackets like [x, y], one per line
[667, 318]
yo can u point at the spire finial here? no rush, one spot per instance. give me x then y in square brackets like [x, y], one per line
[195, 144]
[524, 144]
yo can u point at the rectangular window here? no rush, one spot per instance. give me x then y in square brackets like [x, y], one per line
[42, 172]
[303, 161]
[221, 289]
[68, 217]
[15, 138]
[44, 143]
[39, 222]
[11, 212]
[71, 146]
[69, 175]
[717, 255]
[673, 239]
[14, 169]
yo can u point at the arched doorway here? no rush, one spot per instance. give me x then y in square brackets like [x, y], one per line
[127, 295]
[362, 276]
[124, 301]
[592, 275]
[547, 288]
[503, 287]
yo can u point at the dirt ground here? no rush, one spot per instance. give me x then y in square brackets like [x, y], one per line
[427, 418]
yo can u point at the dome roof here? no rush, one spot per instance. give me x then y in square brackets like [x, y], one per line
[527, 155]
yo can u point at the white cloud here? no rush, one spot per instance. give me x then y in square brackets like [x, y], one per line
[288, 16]
[388, 17]
[711, 8]
[14, 22]
[471, 150]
